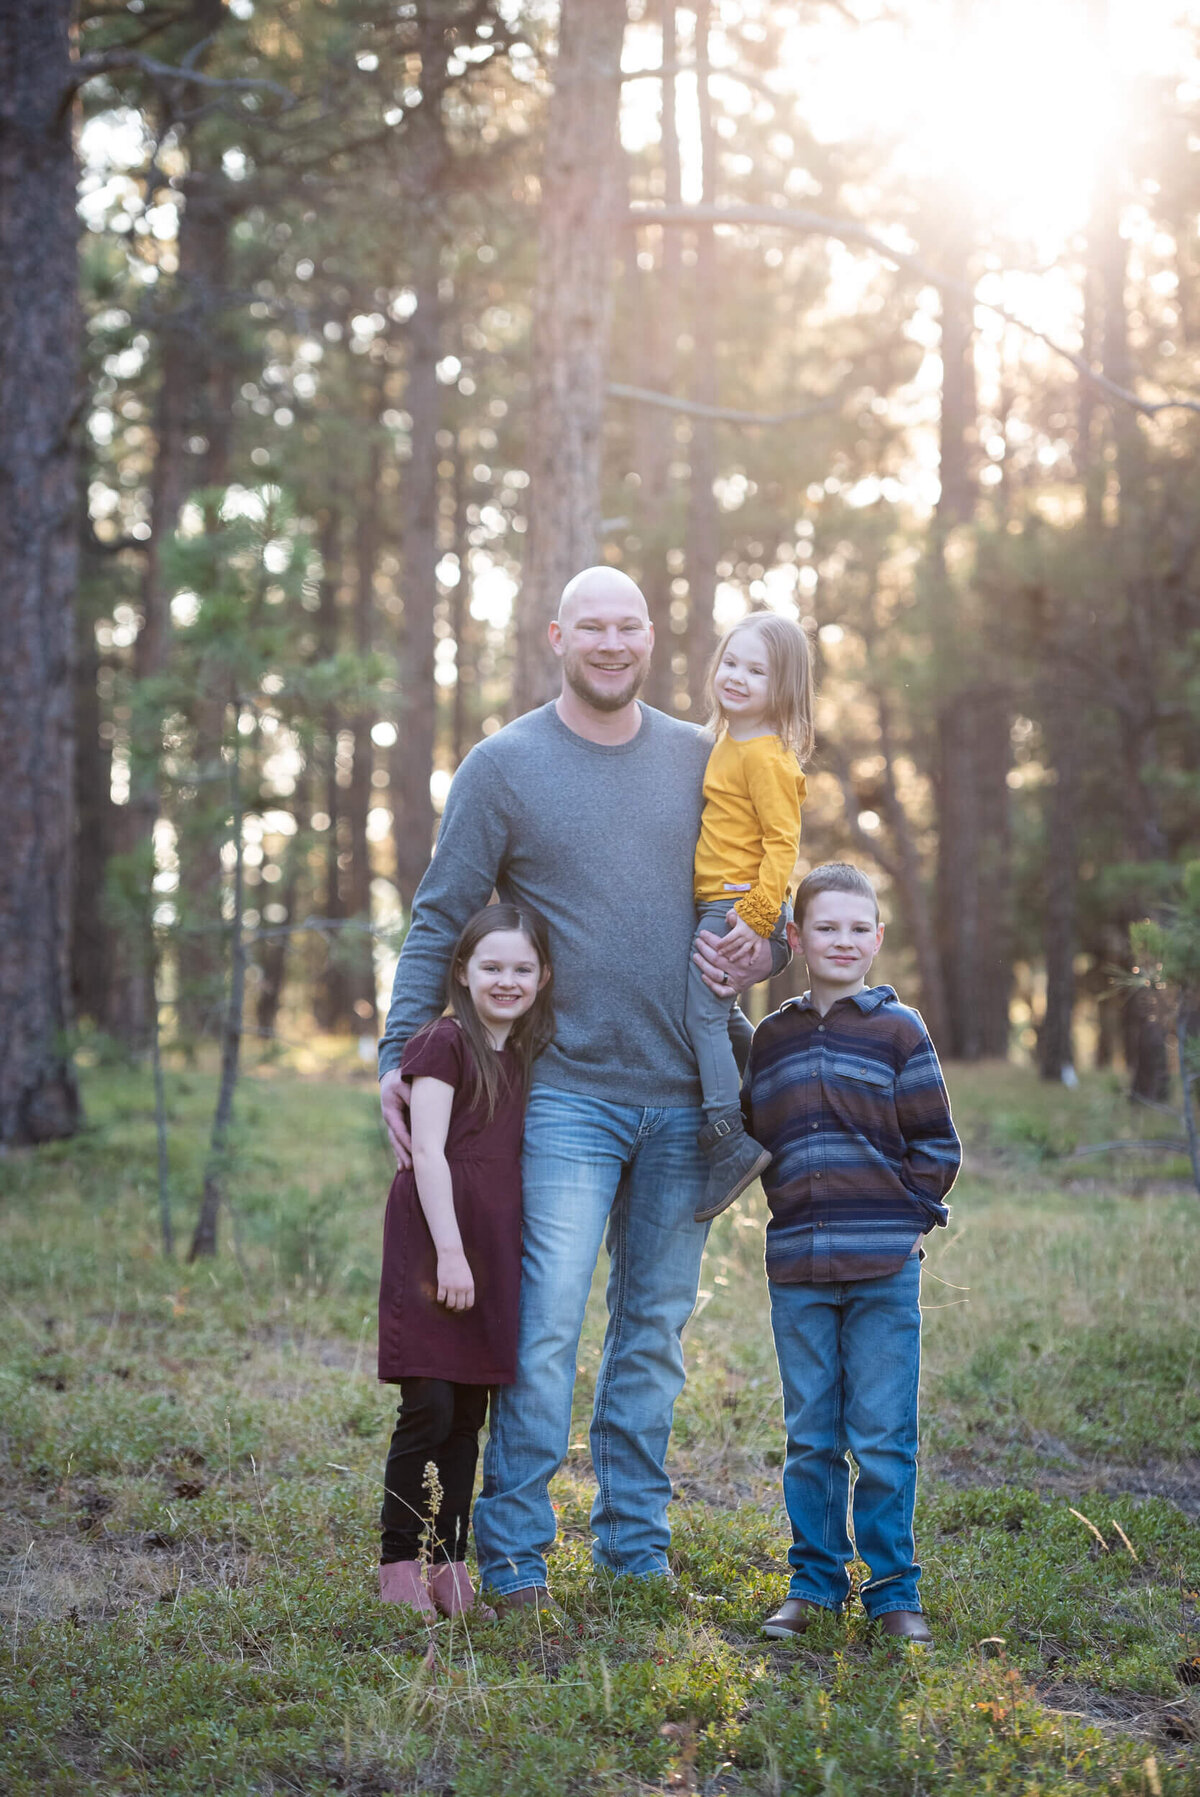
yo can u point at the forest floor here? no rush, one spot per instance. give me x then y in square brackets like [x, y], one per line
[190, 1460]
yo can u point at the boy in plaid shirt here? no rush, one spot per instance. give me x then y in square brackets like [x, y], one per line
[843, 1087]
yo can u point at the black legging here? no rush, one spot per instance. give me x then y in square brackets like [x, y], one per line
[437, 1421]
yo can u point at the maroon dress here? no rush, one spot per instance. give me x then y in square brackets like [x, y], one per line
[418, 1337]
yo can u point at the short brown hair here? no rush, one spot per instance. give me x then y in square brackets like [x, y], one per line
[833, 876]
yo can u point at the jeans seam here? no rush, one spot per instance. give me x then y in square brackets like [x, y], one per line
[616, 1321]
[839, 1441]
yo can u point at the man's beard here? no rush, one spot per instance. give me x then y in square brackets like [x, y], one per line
[601, 698]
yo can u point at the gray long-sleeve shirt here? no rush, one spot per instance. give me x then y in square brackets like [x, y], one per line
[601, 840]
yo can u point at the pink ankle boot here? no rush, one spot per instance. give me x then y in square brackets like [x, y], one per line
[400, 1582]
[453, 1593]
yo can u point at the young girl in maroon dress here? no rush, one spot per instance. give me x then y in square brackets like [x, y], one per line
[452, 1245]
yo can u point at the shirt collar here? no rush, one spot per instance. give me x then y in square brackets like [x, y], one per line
[868, 1000]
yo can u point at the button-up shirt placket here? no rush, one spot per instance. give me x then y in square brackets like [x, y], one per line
[819, 1185]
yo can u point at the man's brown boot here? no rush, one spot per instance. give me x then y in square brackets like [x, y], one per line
[527, 1597]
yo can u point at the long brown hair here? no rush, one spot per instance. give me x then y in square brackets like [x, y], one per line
[790, 697]
[531, 1033]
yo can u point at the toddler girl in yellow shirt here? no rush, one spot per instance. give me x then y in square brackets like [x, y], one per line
[761, 689]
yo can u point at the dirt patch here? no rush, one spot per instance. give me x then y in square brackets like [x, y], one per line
[1174, 1721]
[1176, 1481]
[62, 1577]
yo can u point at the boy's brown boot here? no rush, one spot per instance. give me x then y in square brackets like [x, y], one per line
[793, 1617]
[735, 1161]
[907, 1625]
[401, 1582]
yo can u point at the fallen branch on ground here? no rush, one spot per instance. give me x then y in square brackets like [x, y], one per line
[1152, 1145]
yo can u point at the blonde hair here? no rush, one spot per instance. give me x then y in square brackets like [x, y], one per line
[790, 693]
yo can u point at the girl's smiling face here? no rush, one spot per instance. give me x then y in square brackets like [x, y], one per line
[742, 683]
[503, 976]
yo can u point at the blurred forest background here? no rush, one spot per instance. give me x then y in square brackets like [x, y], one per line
[338, 333]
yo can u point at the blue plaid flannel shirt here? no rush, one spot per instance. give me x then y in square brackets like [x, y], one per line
[854, 1110]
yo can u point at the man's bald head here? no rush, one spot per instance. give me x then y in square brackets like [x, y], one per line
[601, 583]
[603, 636]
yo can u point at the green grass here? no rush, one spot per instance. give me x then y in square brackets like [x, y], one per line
[190, 1457]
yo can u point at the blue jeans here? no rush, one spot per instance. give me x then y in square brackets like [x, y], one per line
[850, 1359]
[592, 1170]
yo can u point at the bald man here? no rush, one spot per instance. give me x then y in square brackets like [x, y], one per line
[588, 810]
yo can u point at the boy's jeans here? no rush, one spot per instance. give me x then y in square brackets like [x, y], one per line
[576, 1151]
[850, 1359]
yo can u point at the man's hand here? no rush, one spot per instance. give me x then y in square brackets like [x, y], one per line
[456, 1282]
[723, 976]
[393, 1097]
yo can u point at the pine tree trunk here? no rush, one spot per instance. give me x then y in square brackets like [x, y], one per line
[204, 280]
[272, 953]
[329, 997]
[358, 952]
[39, 372]
[412, 760]
[973, 752]
[187, 413]
[571, 312]
[1055, 1044]
[912, 887]
[204, 1240]
[974, 872]
[703, 540]
[92, 941]
[465, 703]
[654, 426]
[1138, 652]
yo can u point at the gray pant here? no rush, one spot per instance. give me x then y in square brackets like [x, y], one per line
[718, 1031]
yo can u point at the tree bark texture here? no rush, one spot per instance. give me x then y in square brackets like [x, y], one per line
[914, 896]
[1140, 649]
[202, 366]
[581, 175]
[465, 701]
[271, 953]
[204, 1240]
[39, 372]
[191, 429]
[358, 950]
[413, 755]
[1061, 703]
[92, 939]
[703, 540]
[973, 750]
[412, 759]
[974, 872]
[329, 998]
[654, 426]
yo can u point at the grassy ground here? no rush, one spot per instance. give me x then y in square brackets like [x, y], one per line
[189, 1465]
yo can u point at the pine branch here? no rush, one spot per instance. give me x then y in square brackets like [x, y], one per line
[848, 231]
[104, 62]
[693, 408]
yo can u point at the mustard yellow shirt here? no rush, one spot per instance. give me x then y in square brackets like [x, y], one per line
[750, 829]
